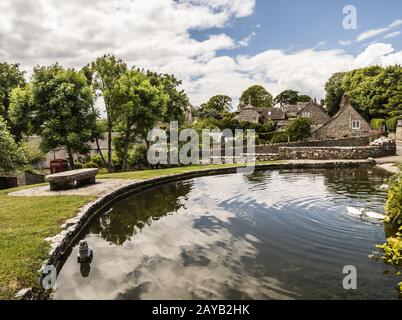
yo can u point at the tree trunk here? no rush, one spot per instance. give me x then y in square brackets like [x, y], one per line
[70, 158]
[100, 152]
[97, 141]
[126, 144]
[109, 145]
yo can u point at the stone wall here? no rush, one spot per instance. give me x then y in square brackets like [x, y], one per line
[346, 142]
[328, 153]
[398, 135]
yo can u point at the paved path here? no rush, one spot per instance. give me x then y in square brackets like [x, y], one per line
[104, 186]
[101, 187]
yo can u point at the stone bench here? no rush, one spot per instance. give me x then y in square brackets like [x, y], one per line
[71, 179]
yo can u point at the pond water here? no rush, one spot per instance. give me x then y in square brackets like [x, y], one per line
[271, 235]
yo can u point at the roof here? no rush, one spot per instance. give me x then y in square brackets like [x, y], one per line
[272, 113]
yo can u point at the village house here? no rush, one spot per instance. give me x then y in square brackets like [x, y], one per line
[347, 122]
[281, 116]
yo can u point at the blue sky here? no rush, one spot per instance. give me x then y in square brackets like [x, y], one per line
[294, 25]
[213, 46]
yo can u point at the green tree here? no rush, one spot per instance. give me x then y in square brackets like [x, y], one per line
[334, 92]
[299, 129]
[375, 91]
[287, 97]
[12, 155]
[258, 96]
[304, 98]
[20, 111]
[217, 107]
[140, 105]
[177, 103]
[10, 77]
[60, 102]
[104, 73]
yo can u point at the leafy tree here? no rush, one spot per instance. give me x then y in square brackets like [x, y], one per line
[258, 96]
[304, 98]
[20, 111]
[335, 92]
[140, 105]
[220, 103]
[287, 97]
[60, 102]
[299, 129]
[375, 91]
[217, 107]
[291, 97]
[12, 155]
[178, 101]
[377, 123]
[392, 123]
[10, 77]
[103, 74]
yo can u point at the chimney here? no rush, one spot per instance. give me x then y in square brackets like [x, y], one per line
[345, 100]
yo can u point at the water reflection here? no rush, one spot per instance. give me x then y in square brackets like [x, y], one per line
[128, 217]
[272, 235]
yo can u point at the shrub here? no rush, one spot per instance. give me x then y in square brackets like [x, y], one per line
[96, 159]
[91, 164]
[377, 123]
[299, 129]
[394, 203]
[78, 165]
[138, 157]
[279, 137]
[391, 123]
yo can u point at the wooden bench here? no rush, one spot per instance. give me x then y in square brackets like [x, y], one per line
[71, 179]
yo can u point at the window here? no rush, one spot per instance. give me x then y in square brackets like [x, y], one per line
[355, 124]
[306, 114]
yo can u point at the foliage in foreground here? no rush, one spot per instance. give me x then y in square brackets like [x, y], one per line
[392, 249]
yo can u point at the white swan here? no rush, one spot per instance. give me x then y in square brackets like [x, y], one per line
[365, 213]
[374, 215]
[355, 212]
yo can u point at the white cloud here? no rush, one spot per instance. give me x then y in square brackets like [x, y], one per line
[370, 33]
[392, 35]
[345, 42]
[157, 35]
[246, 41]
[396, 23]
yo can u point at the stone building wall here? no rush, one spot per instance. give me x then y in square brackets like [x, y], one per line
[341, 125]
[398, 135]
[316, 114]
[332, 153]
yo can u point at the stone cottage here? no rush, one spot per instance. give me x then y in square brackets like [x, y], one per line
[346, 123]
[281, 116]
[249, 114]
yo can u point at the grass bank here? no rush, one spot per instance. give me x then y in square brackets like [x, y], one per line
[26, 221]
[147, 174]
[24, 224]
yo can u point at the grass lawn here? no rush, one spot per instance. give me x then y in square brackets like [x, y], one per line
[147, 174]
[26, 221]
[24, 224]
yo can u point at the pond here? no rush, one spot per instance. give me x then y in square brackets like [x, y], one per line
[271, 235]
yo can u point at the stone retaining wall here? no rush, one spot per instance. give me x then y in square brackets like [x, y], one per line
[345, 142]
[327, 153]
